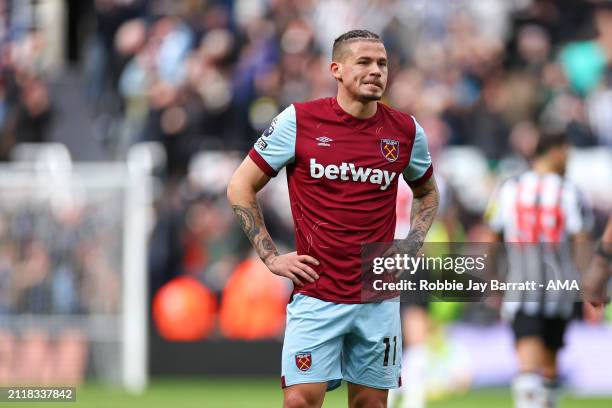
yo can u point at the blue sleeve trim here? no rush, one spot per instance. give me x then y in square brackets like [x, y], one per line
[277, 143]
[420, 159]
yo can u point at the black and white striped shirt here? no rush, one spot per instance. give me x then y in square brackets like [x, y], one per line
[537, 214]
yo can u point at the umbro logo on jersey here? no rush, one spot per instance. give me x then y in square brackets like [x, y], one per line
[348, 171]
[324, 141]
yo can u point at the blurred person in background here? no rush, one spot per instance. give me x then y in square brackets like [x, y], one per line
[599, 109]
[597, 279]
[26, 110]
[584, 62]
[332, 333]
[544, 221]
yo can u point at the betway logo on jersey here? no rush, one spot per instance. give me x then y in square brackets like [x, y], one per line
[348, 171]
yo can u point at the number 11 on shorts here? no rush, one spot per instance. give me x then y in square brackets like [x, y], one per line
[387, 342]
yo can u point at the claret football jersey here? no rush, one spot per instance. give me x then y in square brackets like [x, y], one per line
[343, 175]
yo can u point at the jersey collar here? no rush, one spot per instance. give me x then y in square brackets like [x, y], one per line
[352, 121]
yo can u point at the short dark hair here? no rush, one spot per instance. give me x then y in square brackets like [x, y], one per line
[550, 139]
[602, 4]
[352, 36]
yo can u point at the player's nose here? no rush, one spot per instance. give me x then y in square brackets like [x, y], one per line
[375, 70]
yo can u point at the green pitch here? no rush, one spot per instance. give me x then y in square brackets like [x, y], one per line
[250, 393]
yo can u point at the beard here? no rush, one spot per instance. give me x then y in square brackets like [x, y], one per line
[371, 97]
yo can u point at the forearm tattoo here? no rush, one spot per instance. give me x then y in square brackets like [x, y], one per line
[251, 221]
[423, 213]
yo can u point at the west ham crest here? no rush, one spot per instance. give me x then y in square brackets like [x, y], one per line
[389, 149]
[303, 361]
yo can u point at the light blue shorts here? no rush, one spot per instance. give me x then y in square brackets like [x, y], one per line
[330, 342]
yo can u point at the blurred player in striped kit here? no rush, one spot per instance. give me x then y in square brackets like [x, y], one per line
[543, 219]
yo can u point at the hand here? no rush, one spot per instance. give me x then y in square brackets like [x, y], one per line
[294, 267]
[401, 248]
[595, 283]
[593, 312]
[494, 301]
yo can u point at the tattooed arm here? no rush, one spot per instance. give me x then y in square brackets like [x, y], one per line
[242, 195]
[424, 208]
[423, 213]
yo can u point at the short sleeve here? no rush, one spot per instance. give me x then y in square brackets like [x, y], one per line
[419, 168]
[579, 217]
[276, 146]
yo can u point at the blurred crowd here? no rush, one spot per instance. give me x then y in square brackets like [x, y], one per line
[25, 102]
[212, 74]
[197, 74]
[208, 75]
[59, 259]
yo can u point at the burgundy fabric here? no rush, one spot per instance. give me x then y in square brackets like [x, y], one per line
[261, 163]
[421, 180]
[334, 217]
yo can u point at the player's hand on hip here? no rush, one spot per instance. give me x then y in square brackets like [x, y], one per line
[294, 267]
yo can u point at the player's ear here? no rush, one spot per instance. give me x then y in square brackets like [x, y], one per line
[336, 70]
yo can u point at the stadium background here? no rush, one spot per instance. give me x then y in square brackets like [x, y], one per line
[203, 79]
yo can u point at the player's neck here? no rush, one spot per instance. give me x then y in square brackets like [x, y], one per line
[544, 167]
[355, 108]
